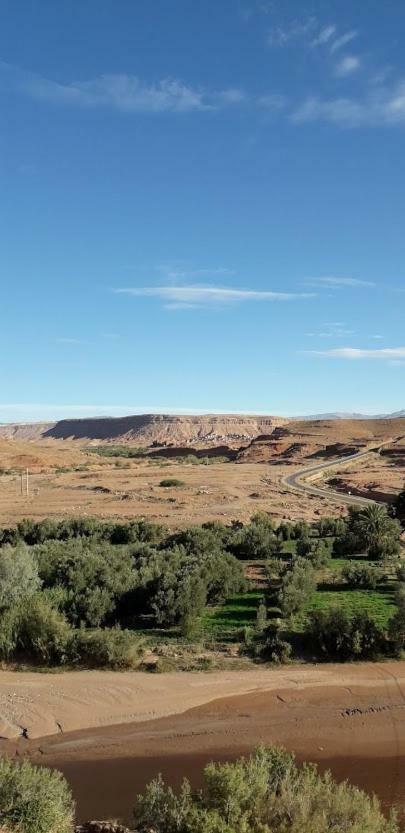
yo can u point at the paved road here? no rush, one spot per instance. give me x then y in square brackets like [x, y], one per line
[298, 481]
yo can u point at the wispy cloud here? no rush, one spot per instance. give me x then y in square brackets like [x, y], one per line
[201, 295]
[324, 35]
[353, 353]
[380, 106]
[343, 40]
[72, 342]
[333, 330]
[348, 65]
[282, 35]
[335, 282]
[123, 92]
[198, 273]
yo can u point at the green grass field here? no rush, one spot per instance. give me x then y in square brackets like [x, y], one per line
[226, 622]
[223, 623]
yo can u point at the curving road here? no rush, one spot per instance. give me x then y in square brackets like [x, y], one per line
[299, 483]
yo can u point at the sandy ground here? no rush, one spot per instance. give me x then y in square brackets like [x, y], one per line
[48, 703]
[220, 491]
[349, 718]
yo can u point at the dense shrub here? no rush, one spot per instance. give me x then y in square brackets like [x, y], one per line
[37, 532]
[319, 554]
[174, 482]
[362, 576]
[43, 632]
[335, 634]
[110, 648]
[34, 629]
[34, 799]
[330, 526]
[265, 793]
[255, 540]
[270, 645]
[92, 574]
[18, 574]
[304, 546]
[297, 587]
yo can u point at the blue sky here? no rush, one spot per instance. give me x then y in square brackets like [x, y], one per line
[202, 206]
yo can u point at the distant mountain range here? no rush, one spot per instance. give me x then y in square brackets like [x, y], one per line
[348, 415]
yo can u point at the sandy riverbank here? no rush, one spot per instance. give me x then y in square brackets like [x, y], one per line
[49, 703]
[348, 718]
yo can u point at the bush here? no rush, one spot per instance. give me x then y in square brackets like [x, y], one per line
[297, 587]
[34, 799]
[304, 547]
[9, 622]
[43, 632]
[111, 648]
[34, 629]
[255, 540]
[319, 556]
[171, 482]
[396, 630]
[337, 635]
[265, 792]
[272, 647]
[18, 574]
[362, 576]
[93, 574]
[261, 617]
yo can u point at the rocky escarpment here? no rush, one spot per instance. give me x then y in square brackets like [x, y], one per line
[163, 430]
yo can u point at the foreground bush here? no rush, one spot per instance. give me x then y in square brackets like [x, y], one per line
[266, 793]
[34, 799]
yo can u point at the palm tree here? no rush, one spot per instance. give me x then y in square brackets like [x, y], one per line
[379, 534]
[374, 524]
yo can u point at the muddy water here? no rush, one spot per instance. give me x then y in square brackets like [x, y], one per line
[108, 788]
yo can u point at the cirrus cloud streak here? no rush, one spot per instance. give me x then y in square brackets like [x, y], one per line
[392, 354]
[203, 295]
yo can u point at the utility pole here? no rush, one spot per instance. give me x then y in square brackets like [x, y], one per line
[27, 491]
[22, 482]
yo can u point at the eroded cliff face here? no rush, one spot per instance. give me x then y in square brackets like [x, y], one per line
[151, 429]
